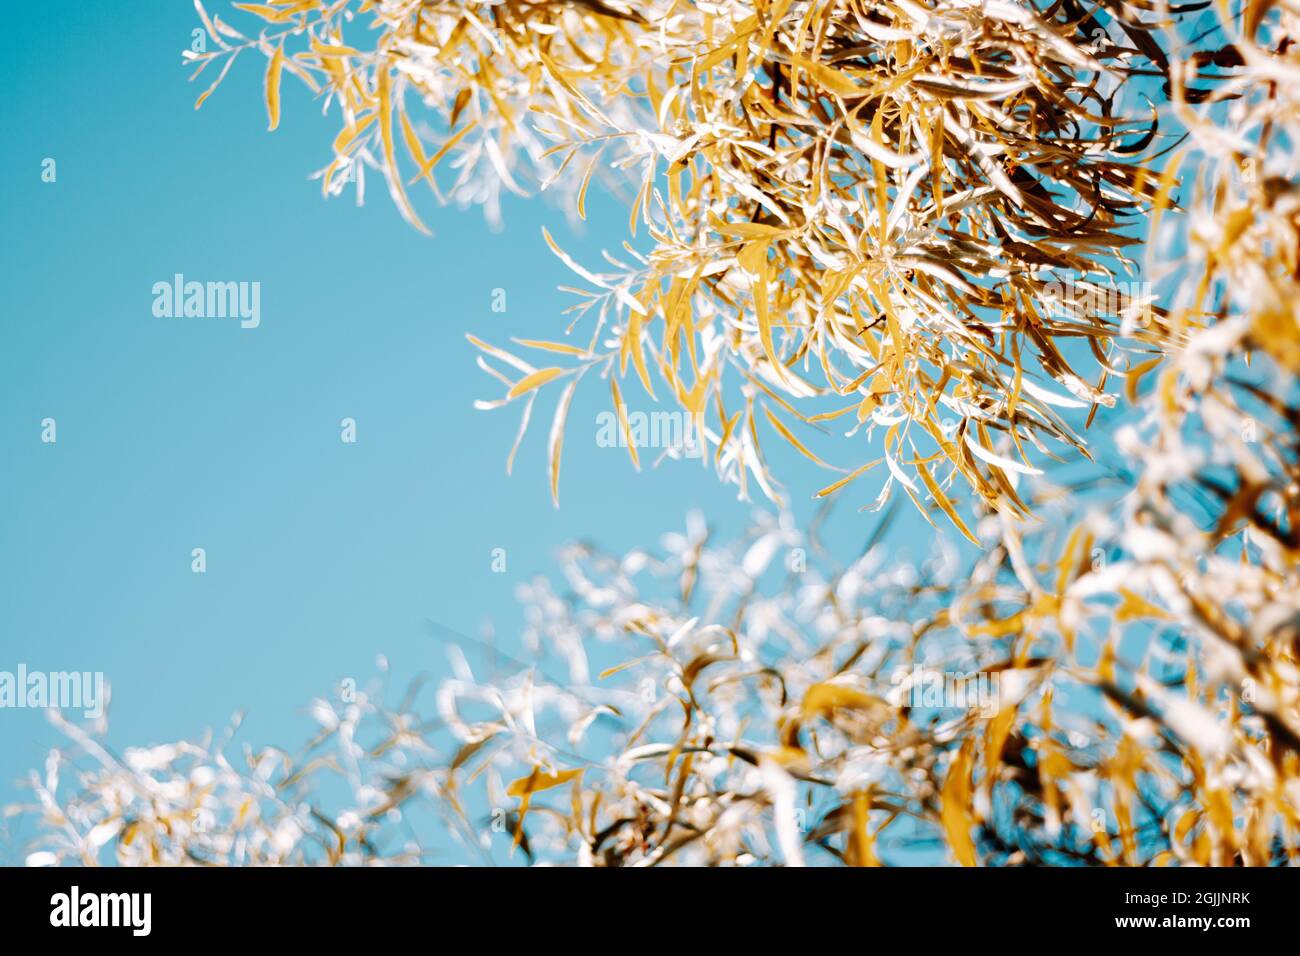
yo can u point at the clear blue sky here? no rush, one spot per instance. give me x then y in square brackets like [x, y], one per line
[177, 434]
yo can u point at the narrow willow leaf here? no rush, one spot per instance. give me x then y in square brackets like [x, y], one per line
[273, 73]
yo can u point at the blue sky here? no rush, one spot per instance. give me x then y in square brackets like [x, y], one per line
[176, 434]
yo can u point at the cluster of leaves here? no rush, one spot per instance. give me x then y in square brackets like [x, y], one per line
[858, 213]
[751, 702]
[191, 804]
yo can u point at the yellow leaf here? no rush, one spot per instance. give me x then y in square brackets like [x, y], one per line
[633, 339]
[942, 501]
[273, 71]
[1135, 374]
[412, 140]
[999, 729]
[266, 12]
[760, 293]
[385, 93]
[828, 416]
[534, 380]
[789, 436]
[336, 52]
[560, 347]
[1106, 664]
[621, 411]
[861, 844]
[954, 807]
[828, 77]
[1134, 606]
[825, 697]
[1003, 627]
[847, 478]
[349, 134]
[748, 230]
[459, 104]
[540, 780]
[753, 255]
[711, 60]
[586, 181]
[881, 180]
[557, 437]
[447, 147]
